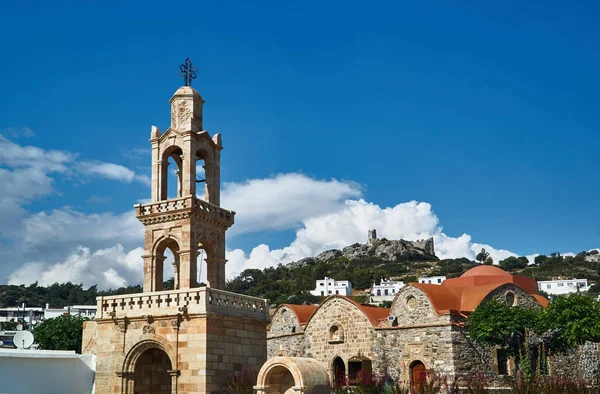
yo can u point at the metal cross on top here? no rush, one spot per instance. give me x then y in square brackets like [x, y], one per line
[187, 72]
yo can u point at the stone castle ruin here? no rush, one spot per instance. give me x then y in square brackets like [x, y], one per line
[192, 338]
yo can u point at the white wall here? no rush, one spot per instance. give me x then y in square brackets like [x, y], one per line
[45, 372]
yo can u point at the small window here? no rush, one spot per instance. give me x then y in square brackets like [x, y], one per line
[337, 292]
[378, 292]
[439, 281]
[429, 281]
[329, 292]
[387, 292]
[321, 284]
[411, 302]
[561, 285]
[336, 334]
[548, 286]
[322, 293]
[511, 299]
[570, 284]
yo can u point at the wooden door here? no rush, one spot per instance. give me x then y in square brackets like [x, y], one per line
[418, 375]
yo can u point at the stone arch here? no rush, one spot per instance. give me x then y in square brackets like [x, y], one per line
[158, 251]
[206, 154]
[149, 365]
[417, 374]
[174, 152]
[338, 371]
[149, 341]
[291, 375]
[336, 333]
[334, 298]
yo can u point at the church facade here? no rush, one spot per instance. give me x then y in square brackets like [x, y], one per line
[191, 338]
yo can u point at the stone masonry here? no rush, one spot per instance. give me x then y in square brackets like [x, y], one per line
[190, 339]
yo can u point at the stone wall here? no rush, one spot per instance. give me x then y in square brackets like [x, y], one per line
[355, 332]
[284, 321]
[395, 349]
[513, 295]
[292, 345]
[578, 363]
[204, 350]
[412, 306]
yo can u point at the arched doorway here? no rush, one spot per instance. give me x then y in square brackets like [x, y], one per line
[339, 372]
[151, 374]
[418, 375]
[280, 381]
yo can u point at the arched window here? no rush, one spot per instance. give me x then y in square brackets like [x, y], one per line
[166, 271]
[171, 173]
[336, 333]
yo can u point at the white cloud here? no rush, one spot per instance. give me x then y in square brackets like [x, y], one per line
[283, 201]
[14, 155]
[109, 267]
[411, 221]
[66, 225]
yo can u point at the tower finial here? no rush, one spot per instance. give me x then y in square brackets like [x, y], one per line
[187, 71]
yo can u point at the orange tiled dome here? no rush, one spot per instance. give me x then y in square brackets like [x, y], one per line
[485, 270]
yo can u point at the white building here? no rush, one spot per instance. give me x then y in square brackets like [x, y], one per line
[330, 286]
[88, 311]
[562, 286]
[21, 314]
[385, 291]
[432, 280]
[35, 315]
[26, 371]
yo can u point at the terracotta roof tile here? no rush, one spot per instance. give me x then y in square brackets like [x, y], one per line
[303, 312]
[465, 293]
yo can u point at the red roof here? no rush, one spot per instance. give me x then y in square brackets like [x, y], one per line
[465, 293]
[302, 312]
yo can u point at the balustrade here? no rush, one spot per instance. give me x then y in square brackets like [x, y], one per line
[191, 301]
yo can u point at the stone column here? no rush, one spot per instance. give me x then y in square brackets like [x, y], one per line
[157, 275]
[175, 275]
[215, 272]
[187, 269]
[148, 273]
[174, 373]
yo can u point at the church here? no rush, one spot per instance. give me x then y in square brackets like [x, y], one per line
[423, 330]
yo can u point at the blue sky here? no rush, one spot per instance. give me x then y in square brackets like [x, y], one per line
[487, 113]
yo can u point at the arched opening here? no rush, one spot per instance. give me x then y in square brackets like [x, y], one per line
[171, 174]
[205, 175]
[151, 374]
[418, 375]
[167, 265]
[339, 372]
[336, 333]
[280, 381]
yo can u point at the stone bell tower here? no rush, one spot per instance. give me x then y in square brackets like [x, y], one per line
[190, 339]
[185, 223]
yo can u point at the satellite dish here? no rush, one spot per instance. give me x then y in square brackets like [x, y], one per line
[23, 339]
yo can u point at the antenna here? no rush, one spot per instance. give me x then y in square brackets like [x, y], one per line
[23, 339]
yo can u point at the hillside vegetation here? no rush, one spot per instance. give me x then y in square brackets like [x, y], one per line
[291, 283]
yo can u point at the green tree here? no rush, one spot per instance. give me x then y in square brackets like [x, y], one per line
[569, 321]
[495, 323]
[514, 263]
[482, 256]
[60, 333]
